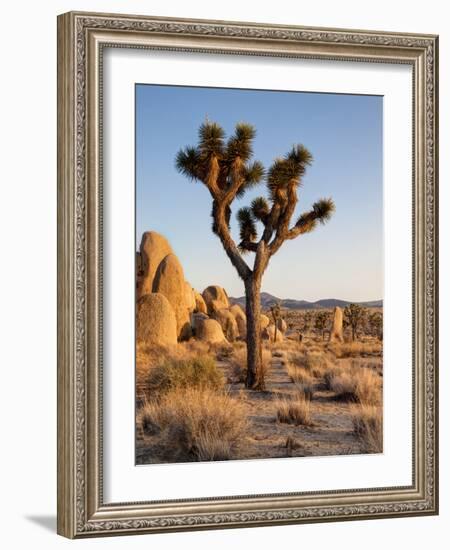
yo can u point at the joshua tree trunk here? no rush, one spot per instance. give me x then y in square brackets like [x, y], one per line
[255, 374]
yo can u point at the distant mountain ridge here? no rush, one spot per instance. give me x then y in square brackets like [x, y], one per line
[268, 299]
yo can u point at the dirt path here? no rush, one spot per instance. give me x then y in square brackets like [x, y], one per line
[278, 379]
[330, 434]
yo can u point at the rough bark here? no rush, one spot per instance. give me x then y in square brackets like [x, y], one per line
[228, 244]
[255, 375]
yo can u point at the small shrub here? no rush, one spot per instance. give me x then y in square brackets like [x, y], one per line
[199, 372]
[294, 410]
[354, 383]
[149, 356]
[356, 349]
[151, 417]
[300, 375]
[368, 388]
[192, 348]
[315, 363]
[306, 388]
[195, 424]
[368, 426]
[222, 351]
[339, 381]
[210, 447]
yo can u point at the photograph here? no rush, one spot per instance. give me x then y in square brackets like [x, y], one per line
[247, 278]
[259, 274]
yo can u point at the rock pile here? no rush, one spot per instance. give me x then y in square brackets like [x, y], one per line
[169, 280]
[154, 248]
[215, 299]
[169, 310]
[155, 320]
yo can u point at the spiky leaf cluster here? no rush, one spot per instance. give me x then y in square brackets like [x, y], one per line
[222, 165]
[252, 175]
[225, 167]
[288, 170]
[247, 226]
[260, 209]
[321, 320]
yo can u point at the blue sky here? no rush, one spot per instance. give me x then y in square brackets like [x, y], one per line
[342, 259]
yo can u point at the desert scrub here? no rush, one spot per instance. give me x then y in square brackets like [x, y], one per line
[149, 356]
[306, 388]
[300, 375]
[239, 363]
[195, 372]
[368, 426]
[295, 409]
[193, 424]
[356, 349]
[355, 383]
[315, 363]
[222, 351]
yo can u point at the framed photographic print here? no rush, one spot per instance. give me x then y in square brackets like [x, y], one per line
[247, 274]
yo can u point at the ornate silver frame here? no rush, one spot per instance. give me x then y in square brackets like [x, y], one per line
[81, 38]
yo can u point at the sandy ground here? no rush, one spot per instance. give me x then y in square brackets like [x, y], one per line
[331, 432]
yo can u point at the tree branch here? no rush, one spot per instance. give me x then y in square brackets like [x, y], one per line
[261, 260]
[228, 244]
[285, 218]
[297, 230]
[212, 175]
[322, 211]
[271, 222]
[237, 180]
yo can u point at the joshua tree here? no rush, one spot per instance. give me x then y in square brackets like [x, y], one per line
[321, 321]
[376, 324]
[226, 170]
[354, 315]
[307, 318]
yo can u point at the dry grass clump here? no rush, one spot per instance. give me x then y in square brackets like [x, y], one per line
[306, 388]
[368, 388]
[149, 356]
[355, 383]
[195, 424]
[356, 349]
[222, 351]
[300, 375]
[290, 344]
[315, 363]
[368, 426]
[341, 382]
[194, 347]
[294, 410]
[312, 346]
[239, 363]
[196, 372]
